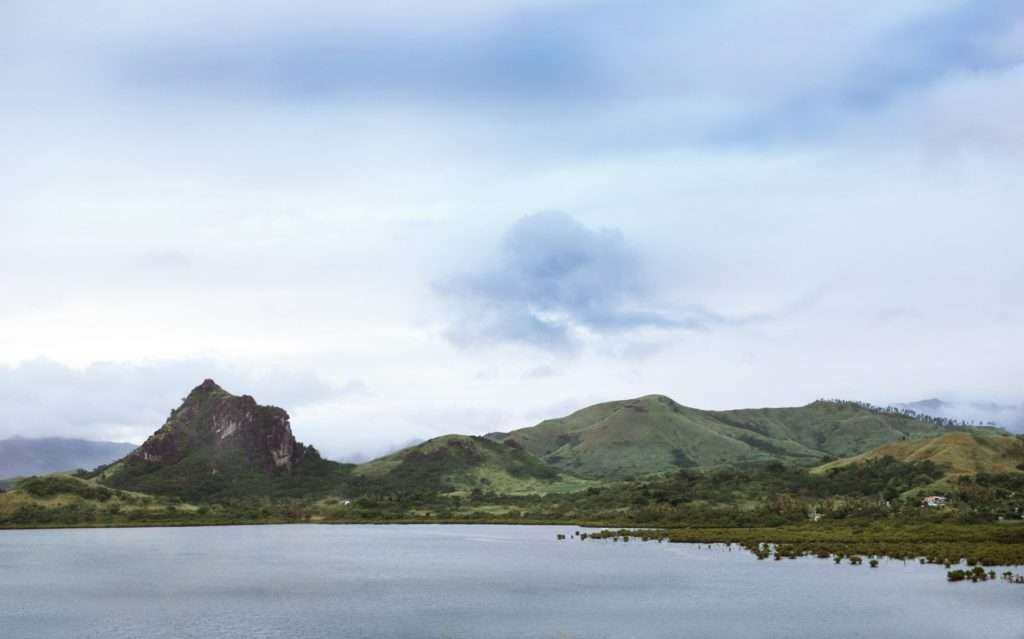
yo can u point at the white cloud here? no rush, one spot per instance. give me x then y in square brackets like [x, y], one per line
[859, 186]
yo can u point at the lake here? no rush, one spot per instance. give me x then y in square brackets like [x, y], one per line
[478, 582]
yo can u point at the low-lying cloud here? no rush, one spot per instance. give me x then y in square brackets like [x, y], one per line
[552, 279]
[127, 402]
[1009, 416]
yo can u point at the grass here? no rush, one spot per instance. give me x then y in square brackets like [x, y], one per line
[460, 464]
[960, 453]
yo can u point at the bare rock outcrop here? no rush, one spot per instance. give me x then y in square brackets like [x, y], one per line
[216, 421]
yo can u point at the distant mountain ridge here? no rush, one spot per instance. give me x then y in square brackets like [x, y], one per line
[653, 434]
[24, 456]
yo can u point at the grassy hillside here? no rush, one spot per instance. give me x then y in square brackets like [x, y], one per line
[958, 453]
[60, 499]
[654, 434]
[460, 463]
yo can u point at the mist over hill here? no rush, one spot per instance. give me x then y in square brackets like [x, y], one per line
[1009, 416]
[23, 456]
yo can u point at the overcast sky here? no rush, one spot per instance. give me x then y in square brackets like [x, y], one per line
[397, 224]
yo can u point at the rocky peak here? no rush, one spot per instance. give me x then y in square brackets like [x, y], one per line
[213, 420]
[207, 386]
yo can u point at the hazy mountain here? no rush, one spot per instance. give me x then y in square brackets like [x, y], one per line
[22, 456]
[363, 456]
[1009, 416]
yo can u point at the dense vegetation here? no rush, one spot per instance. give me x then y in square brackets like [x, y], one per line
[191, 478]
[938, 544]
[772, 494]
[53, 485]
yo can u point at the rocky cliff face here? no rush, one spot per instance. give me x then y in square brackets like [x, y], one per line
[216, 423]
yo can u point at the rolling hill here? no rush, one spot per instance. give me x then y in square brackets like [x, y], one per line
[58, 498]
[462, 463]
[958, 453]
[24, 456]
[654, 434]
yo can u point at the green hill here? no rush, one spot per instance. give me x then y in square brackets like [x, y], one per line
[462, 463]
[61, 499]
[654, 434]
[958, 453]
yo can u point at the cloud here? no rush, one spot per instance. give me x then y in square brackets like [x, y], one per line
[1009, 416]
[127, 402]
[893, 62]
[964, 111]
[540, 372]
[554, 282]
[569, 68]
[300, 184]
[520, 58]
[553, 278]
[376, 451]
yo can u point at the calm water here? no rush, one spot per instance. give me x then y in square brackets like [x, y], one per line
[476, 582]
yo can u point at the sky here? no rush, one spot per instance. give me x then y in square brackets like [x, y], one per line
[397, 223]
